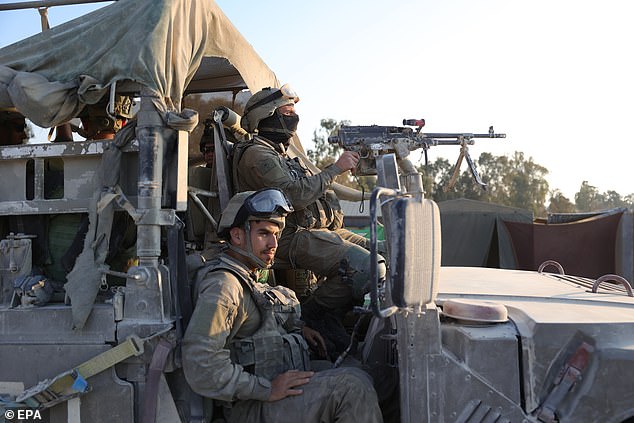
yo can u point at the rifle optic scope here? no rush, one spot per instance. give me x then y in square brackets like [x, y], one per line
[414, 122]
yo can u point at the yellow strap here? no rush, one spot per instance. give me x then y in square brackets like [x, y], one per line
[456, 171]
[61, 387]
[44, 18]
[132, 346]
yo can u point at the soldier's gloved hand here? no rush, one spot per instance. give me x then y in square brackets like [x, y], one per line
[348, 160]
[315, 340]
[284, 384]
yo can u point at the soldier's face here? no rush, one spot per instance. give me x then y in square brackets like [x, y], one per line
[13, 132]
[208, 155]
[286, 110]
[264, 237]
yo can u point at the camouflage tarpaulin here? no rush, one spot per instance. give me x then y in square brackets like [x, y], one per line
[166, 45]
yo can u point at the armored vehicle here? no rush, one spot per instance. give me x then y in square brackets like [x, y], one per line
[97, 236]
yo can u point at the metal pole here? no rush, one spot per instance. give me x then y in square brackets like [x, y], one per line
[150, 138]
[46, 3]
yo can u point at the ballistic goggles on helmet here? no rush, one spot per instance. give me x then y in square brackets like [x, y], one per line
[266, 204]
[285, 91]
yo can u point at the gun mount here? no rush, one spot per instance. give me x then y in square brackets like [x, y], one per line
[374, 141]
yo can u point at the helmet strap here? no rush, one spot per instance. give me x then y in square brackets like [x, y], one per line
[248, 253]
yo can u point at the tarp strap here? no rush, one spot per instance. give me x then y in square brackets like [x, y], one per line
[178, 274]
[150, 397]
[73, 383]
[44, 18]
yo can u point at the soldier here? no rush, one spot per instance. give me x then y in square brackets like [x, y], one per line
[314, 238]
[244, 342]
[99, 124]
[207, 148]
[199, 229]
[12, 127]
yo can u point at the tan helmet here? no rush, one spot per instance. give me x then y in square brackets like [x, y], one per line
[269, 204]
[101, 120]
[264, 103]
[9, 113]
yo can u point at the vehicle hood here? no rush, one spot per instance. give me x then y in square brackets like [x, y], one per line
[538, 297]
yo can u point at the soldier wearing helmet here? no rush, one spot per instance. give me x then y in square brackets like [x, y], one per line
[12, 127]
[314, 238]
[268, 205]
[98, 123]
[206, 145]
[245, 342]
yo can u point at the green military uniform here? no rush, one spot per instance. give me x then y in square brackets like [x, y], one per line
[243, 334]
[313, 238]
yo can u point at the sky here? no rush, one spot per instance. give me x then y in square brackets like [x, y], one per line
[556, 76]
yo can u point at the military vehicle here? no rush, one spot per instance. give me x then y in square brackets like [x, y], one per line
[100, 343]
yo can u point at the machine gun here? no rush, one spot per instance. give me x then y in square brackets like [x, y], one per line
[374, 141]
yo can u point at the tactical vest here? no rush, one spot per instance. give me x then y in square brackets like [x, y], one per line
[325, 213]
[277, 345]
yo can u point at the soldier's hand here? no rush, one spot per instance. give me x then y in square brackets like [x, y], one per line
[315, 340]
[285, 385]
[348, 160]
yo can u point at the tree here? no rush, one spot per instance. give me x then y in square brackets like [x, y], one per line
[590, 199]
[559, 203]
[513, 181]
[324, 152]
[436, 175]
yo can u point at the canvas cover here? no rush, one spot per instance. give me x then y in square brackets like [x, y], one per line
[584, 248]
[169, 46]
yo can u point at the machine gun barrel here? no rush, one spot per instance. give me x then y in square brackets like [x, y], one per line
[454, 138]
[465, 135]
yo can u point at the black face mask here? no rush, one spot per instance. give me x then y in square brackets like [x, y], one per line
[291, 122]
[279, 128]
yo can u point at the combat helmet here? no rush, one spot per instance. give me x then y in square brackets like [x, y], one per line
[264, 103]
[101, 120]
[9, 113]
[269, 204]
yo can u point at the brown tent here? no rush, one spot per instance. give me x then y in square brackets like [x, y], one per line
[584, 248]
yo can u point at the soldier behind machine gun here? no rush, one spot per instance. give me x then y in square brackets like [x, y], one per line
[375, 140]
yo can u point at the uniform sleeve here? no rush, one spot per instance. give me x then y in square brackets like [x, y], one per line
[261, 167]
[206, 362]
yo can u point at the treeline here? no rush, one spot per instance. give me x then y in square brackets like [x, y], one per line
[515, 181]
